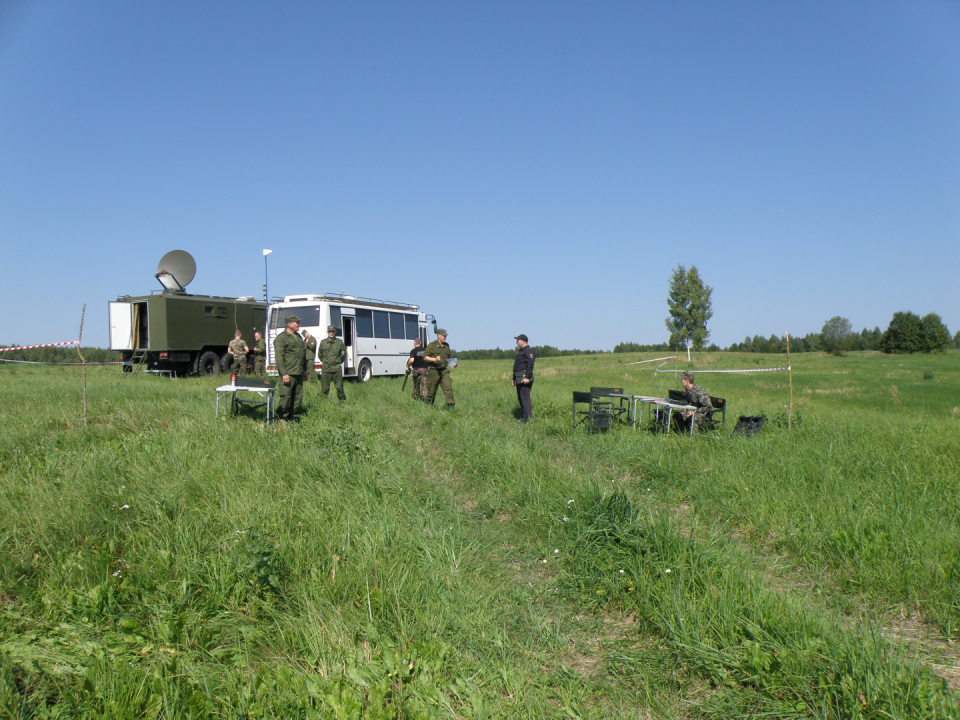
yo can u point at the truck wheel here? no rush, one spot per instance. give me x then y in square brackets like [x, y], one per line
[226, 363]
[208, 365]
[364, 372]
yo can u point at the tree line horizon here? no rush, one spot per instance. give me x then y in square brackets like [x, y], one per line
[690, 307]
[865, 340]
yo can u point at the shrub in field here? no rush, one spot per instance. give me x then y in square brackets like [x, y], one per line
[903, 335]
[936, 337]
[908, 333]
[835, 335]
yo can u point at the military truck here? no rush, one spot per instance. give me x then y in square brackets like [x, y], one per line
[173, 331]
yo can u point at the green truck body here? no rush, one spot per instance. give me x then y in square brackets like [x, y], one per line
[181, 333]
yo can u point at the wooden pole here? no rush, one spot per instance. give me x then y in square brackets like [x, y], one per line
[83, 362]
[790, 375]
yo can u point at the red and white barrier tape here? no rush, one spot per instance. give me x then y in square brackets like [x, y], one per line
[31, 347]
[640, 362]
[699, 372]
[39, 362]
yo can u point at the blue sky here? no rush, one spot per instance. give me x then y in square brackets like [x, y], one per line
[536, 167]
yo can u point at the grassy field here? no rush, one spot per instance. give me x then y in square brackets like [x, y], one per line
[384, 559]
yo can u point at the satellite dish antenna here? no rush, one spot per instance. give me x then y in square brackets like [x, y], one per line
[176, 270]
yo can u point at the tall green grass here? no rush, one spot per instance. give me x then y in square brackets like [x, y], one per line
[386, 559]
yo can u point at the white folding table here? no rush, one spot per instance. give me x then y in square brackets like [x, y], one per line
[267, 400]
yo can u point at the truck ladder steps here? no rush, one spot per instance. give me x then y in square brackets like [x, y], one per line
[137, 362]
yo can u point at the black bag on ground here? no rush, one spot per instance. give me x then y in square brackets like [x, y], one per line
[749, 424]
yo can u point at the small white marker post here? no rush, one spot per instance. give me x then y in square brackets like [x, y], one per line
[790, 375]
[83, 362]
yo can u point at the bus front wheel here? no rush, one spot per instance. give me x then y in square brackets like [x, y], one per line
[364, 372]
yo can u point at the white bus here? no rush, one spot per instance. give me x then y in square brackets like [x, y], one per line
[378, 335]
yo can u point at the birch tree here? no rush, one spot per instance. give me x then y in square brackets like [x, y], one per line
[690, 309]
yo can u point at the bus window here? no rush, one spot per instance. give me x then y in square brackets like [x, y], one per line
[396, 326]
[335, 319]
[381, 324]
[309, 316]
[411, 322]
[364, 323]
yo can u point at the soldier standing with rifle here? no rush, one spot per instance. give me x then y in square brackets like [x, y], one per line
[417, 366]
[309, 357]
[436, 354]
[332, 355]
[288, 353]
[259, 355]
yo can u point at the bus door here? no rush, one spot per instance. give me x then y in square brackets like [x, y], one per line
[350, 343]
[348, 327]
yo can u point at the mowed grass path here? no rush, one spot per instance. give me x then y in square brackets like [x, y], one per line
[385, 559]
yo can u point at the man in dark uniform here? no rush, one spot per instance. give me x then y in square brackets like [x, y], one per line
[523, 375]
[419, 370]
[697, 397]
[436, 354]
[332, 355]
[288, 353]
[309, 357]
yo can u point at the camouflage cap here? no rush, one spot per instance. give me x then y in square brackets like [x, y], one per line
[687, 376]
[292, 319]
[331, 328]
[441, 331]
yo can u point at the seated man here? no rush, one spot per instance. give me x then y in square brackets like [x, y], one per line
[697, 397]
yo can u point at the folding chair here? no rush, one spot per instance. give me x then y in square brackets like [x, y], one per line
[601, 402]
[719, 406]
[597, 415]
[581, 415]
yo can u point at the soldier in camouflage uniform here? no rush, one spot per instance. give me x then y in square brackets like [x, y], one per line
[288, 354]
[309, 357]
[238, 348]
[419, 370]
[259, 355]
[698, 397]
[436, 354]
[332, 354]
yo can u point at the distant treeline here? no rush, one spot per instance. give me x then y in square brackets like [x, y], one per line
[59, 355]
[540, 351]
[907, 333]
[811, 342]
[630, 347]
[866, 339]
